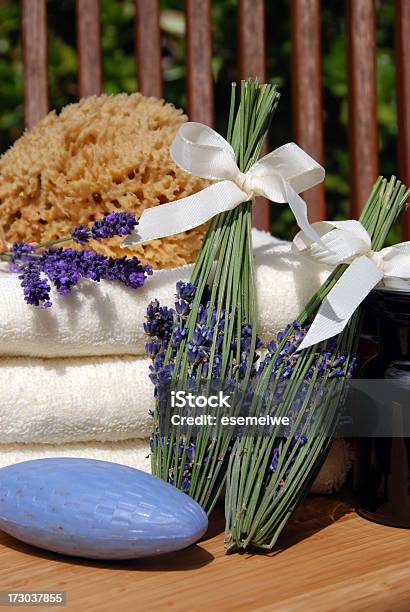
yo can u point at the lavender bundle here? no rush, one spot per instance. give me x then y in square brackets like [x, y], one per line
[45, 263]
[269, 475]
[211, 333]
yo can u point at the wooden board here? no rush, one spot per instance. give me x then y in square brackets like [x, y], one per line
[328, 559]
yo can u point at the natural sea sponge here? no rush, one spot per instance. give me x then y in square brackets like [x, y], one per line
[102, 154]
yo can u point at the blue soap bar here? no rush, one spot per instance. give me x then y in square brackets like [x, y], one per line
[96, 509]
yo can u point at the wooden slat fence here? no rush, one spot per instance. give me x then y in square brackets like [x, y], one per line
[199, 61]
[252, 64]
[148, 47]
[307, 92]
[90, 78]
[35, 61]
[306, 76]
[403, 96]
[363, 137]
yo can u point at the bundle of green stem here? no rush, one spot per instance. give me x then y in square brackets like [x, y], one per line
[214, 333]
[269, 476]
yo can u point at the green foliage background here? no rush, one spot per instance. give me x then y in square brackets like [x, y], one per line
[119, 73]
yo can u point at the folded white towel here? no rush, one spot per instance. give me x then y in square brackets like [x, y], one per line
[107, 318]
[135, 453]
[54, 401]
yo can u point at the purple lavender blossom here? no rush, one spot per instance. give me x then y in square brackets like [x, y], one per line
[182, 308]
[81, 234]
[20, 251]
[112, 224]
[36, 289]
[65, 267]
[152, 348]
[185, 483]
[185, 291]
[159, 322]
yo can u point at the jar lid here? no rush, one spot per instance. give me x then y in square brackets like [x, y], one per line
[394, 284]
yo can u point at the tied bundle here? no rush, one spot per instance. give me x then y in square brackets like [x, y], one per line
[211, 333]
[305, 379]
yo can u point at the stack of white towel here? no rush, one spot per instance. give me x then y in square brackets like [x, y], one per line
[74, 379]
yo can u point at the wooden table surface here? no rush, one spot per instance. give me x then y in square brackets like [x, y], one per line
[329, 558]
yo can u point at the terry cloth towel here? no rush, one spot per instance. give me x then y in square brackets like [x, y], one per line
[135, 453]
[107, 318]
[54, 401]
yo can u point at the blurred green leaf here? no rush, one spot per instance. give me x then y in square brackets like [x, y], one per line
[173, 22]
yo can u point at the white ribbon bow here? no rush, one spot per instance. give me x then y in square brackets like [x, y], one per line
[348, 242]
[199, 150]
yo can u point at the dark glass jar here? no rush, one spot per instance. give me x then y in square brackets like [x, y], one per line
[382, 472]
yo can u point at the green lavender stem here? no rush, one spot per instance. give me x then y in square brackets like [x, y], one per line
[6, 256]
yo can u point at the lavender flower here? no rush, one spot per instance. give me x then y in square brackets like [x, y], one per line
[21, 251]
[36, 289]
[159, 322]
[81, 234]
[112, 224]
[185, 483]
[185, 291]
[65, 267]
[182, 308]
[152, 348]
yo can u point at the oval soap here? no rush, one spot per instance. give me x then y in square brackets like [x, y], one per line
[96, 509]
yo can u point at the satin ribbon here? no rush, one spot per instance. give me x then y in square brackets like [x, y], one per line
[348, 242]
[199, 150]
